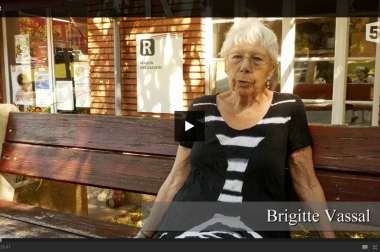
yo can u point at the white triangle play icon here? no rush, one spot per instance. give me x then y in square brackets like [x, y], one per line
[188, 126]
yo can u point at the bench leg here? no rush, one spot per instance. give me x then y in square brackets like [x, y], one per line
[7, 186]
[7, 181]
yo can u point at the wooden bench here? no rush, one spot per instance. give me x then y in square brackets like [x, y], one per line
[136, 154]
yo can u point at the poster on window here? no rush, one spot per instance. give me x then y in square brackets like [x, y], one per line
[64, 91]
[22, 49]
[159, 72]
[44, 95]
[22, 86]
[82, 84]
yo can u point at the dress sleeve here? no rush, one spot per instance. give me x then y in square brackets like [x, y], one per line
[299, 135]
[182, 142]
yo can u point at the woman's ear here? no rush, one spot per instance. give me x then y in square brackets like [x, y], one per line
[273, 67]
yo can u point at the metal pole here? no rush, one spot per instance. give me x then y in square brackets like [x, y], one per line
[50, 47]
[7, 82]
[115, 201]
[116, 53]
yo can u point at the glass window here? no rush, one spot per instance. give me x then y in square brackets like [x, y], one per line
[276, 27]
[357, 6]
[313, 72]
[318, 112]
[219, 35]
[71, 61]
[220, 77]
[358, 114]
[315, 37]
[28, 61]
[358, 45]
[275, 81]
[312, 7]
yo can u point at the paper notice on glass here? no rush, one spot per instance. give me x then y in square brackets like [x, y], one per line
[64, 91]
[81, 71]
[44, 94]
[22, 87]
[82, 95]
[82, 84]
[22, 49]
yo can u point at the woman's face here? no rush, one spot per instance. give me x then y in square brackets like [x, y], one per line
[360, 74]
[248, 76]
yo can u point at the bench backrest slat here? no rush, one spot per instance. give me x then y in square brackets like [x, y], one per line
[102, 169]
[346, 149]
[125, 134]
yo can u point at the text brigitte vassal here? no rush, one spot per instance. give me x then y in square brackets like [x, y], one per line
[309, 217]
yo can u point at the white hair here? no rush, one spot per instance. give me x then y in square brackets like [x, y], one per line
[244, 31]
[361, 68]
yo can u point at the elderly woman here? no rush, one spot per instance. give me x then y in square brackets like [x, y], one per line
[363, 76]
[250, 133]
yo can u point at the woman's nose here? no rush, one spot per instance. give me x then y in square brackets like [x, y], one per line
[246, 65]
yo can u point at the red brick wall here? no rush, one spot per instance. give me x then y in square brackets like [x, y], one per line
[100, 35]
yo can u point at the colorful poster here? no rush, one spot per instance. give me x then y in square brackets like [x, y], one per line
[82, 84]
[22, 49]
[64, 91]
[22, 86]
[44, 95]
[159, 72]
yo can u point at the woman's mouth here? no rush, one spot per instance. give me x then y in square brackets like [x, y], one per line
[243, 83]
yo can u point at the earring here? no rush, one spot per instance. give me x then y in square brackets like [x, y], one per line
[267, 82]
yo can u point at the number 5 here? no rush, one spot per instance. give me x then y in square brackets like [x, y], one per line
[373, 32]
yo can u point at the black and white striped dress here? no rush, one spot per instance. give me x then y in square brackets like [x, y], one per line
[236, 166]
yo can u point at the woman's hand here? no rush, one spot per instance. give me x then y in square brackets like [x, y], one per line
[307, 186]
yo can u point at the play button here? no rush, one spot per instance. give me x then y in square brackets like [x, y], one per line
[188, 126]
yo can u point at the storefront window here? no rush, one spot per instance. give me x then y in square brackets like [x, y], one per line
[318, 112]
[28, 60]
[71, 63]
[219, 35]
[360, 6]
[358, 45]
[276, 27]
[315, 37]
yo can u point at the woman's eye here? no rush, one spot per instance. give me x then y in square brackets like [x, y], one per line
[257, 59]
[237, 57]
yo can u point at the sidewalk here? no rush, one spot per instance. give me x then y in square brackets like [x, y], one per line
[97, 207]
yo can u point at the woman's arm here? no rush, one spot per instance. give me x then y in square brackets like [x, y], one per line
[169, 188]
[307, 185]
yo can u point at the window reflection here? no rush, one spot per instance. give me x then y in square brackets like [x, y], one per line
[360, 80]
[358, 45]
[27, 57]
[219, 35]
[315, 37]
[318, 112]
[276, 27]
[220, 77]
[313, 72]
[357, 6]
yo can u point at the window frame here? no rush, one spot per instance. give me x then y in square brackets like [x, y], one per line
[287, 60]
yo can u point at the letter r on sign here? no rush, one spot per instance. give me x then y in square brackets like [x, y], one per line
[147, 47]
